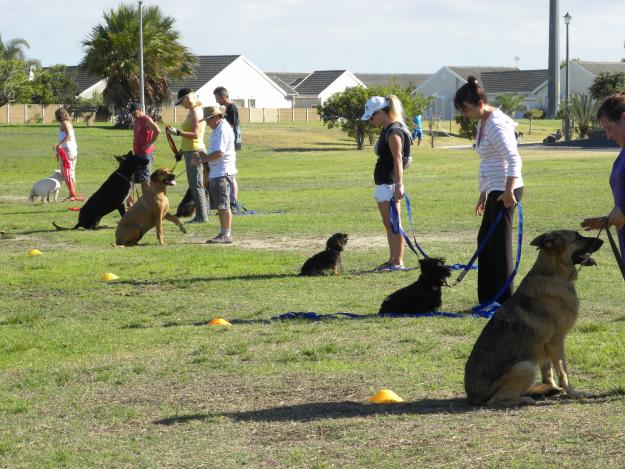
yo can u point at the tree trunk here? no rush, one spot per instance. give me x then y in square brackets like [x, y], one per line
[360, 139]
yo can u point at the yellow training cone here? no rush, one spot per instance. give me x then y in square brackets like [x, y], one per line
[34, 252]
[385, 396]
[219, 322]
[107, 277]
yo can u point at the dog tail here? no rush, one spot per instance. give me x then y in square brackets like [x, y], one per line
[61, 228]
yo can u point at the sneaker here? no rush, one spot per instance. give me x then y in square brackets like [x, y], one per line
[220, 239]
[383, 267]
[393, 267]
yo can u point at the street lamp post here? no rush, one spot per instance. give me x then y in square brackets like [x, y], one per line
[141, 79]
[567, 120]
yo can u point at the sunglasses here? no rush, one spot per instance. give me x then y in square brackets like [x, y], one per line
[373, 115]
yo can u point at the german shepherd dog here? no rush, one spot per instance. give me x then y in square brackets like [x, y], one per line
[328, 261]
[422, 296]
[110, 196]
[528, 331]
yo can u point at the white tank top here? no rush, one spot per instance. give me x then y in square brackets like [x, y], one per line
[70, 144]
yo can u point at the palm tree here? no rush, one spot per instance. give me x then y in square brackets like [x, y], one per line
[112, 52]
[583, 110]
[14, 68]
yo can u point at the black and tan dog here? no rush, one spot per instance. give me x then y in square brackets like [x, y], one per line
[326, 262]
[422, 296]
[186, 207]
[528, 331]
[148, 212]
[110, 196]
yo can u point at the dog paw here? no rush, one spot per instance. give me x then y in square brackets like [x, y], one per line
[526, 400]
[182, 228]
[573, 394]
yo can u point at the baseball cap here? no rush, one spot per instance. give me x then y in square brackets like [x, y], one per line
[134, 106]
[374, 105]
[182, 93]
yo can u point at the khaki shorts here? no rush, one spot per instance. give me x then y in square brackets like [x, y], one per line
[219, 190]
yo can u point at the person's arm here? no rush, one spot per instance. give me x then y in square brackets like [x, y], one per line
[65, 129]
[150, 124]
[505, 144]
[395, 144]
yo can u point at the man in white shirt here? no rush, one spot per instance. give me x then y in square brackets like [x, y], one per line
[221, 158]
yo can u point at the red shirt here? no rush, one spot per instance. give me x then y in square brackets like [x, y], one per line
[142, 135]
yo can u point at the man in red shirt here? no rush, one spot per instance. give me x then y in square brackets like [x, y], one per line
[145, 133]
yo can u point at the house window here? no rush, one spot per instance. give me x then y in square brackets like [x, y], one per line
[251, 102]
[239, 102]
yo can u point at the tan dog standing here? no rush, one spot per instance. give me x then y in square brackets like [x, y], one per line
[528, 331]
[148, 212]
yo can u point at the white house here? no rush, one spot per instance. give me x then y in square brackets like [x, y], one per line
[318, 86]
[247, 84]
[442, 85]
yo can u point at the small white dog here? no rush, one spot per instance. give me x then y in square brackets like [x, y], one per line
[47, 187]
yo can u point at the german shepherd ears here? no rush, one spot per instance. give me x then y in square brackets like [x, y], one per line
[123, 157]
[548, 240]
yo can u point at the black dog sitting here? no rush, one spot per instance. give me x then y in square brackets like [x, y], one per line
[422, 296]
[326, 262]
[110, 196]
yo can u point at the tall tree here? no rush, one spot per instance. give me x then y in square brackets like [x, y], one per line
[606, 84]
[14, 71]
[511, 103]
[112, 52]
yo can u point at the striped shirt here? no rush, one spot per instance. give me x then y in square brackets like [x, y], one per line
[499, 157]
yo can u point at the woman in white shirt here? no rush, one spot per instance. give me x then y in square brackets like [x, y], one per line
[500, 185]
[69, 154]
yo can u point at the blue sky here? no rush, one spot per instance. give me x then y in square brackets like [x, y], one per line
[401, 36]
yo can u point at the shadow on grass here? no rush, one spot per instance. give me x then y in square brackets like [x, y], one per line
[186, 281]
[308, 149]
[349, 409]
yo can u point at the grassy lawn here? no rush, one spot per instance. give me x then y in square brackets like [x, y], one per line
[127, 374]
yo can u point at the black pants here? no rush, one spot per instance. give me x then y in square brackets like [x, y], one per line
[495, 262]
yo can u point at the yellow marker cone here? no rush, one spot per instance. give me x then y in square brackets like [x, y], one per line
[34, 252]
[219, 322]
[107, 277]
[385, 396]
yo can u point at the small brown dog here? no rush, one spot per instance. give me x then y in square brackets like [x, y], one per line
[528, 331]
[326, 262]
[148, 212]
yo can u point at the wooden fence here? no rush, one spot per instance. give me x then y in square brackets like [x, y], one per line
[39, 114]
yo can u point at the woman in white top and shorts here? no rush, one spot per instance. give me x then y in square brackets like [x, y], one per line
[500, 185]
[67, 141]
[393, 151]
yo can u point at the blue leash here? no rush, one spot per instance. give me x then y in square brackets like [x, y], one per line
[312, 316]
[396, 228]
[488, 308]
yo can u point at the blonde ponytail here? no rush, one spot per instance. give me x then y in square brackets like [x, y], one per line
[395, 109]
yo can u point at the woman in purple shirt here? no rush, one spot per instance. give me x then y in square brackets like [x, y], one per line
[611, 115]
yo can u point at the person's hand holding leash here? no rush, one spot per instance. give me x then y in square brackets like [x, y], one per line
[616, 217]
[399, 191]
[178, 156]
[172, 130]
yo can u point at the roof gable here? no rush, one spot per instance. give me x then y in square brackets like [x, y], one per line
[316, 82]
[82, 79]
[513, 81]
[464, 72]
[597, 67]
[405, 80]
[206, 68]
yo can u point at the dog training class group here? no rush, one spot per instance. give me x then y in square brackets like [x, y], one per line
[527, 325]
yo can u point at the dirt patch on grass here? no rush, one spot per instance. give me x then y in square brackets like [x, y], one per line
[356, 242]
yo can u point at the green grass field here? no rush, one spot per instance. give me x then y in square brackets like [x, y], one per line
[127, 374]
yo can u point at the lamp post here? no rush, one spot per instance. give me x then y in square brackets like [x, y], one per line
[141, 79]
[567, 120]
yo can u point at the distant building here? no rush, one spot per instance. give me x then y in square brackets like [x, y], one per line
[405, 80]
[442, 85]
[247, 84]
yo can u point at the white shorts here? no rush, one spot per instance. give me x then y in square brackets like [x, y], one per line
[384, 192]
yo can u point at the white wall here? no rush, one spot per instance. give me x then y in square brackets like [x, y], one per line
[346, 80]
[244, 81]
[96, 88]
[580, 80]
[442, 85]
